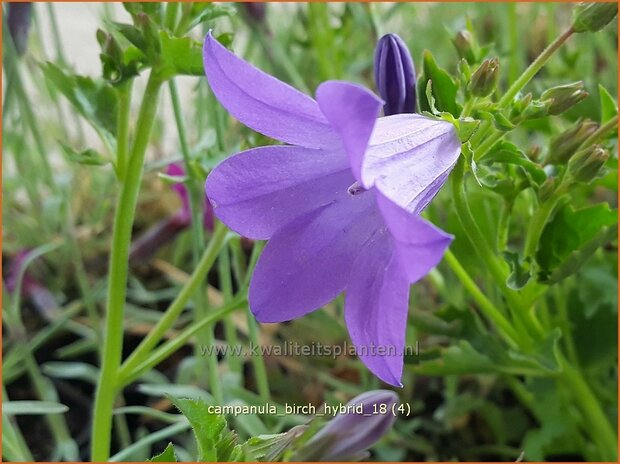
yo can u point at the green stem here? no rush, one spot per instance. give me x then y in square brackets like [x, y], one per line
[164, 351]
[469, 106]
[515, 42]
[490, 311]
[124, 111]
[503, 225]
[230, 331]
[610, 125]
[536, 66]
[599, 427]
[207, 337]
[107, 387]
[540, 219]
[485, 251]
[177, 306]
[488, 144]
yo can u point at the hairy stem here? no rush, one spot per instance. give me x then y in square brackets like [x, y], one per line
[177, 306]
[107, 387]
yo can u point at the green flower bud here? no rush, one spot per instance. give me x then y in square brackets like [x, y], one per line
[546, 189]
[465, 46]
[593, 16]
[484, 80]
[564, 145]
[587, 164]
[563, 97]
[535, 109]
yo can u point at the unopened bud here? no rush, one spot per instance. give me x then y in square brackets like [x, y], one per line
[593, 16]
[587, 164]
[255, 11]
[563, 97]
[546, 189]
[484, 80]
[19, 16]
[395, 75]
[535, 109]
[465, 46]
[348, 435]
[564, 145]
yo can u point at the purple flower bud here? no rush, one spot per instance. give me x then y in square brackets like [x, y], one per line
[563, 97]
[465, 46]
[18, 19]
[255, 11]
[564, 145]
[395, 75]
[593, 16]
[347, 436]
[587, 164]
[484, 80]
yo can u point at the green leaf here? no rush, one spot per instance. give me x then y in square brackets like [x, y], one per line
[509, 153]
[180, 56]
[88, 157]
[443, 87]
[166, 455]
[571, 237]
[215, 442]
[71, 370]
[609, 107]
[519, 270]
[29, 408]
[204, 11]
[95, 100]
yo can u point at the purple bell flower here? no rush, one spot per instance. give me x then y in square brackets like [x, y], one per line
[395, 75]
[348, 436]
[339, 204]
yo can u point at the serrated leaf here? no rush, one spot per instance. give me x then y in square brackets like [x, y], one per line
[30, 408]
[180, 56]
[519, 270]
[216, 443]
[203, 11]
[95, 100]
[443, 90]
[571, 237]
[609, 106]
[166, 455]
[88, 157]
[508, 153]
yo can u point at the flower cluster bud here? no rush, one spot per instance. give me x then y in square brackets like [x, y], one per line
[485, 78]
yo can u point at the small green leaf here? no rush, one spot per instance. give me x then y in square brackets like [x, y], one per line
[88, 157]
[571, 237]
[180, 56]
[95, 100]
[29, 408]
[508, 153]
[609, 107]
[443, 90]
[519, 270]
[207, 427]
[166, 455]
[207, 11]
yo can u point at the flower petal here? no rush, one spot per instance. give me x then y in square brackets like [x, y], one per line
[352, 111]
[409, 158]
[376, 307]
[264, 103]
[420, 245]
[307, 263]
[258, 191]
